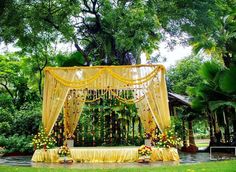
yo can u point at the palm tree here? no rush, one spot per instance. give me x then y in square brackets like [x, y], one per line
[217, 91]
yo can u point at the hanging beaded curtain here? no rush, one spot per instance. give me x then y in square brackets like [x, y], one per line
[146, 116]
[73, 107]
[145, 81]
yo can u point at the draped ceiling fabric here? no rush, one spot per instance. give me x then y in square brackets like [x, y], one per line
[143, 85]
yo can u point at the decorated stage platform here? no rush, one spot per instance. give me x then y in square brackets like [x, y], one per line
[106, 154]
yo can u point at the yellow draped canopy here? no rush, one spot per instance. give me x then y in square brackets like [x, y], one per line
[68, 87]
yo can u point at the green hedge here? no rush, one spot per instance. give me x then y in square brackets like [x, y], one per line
[17, 143]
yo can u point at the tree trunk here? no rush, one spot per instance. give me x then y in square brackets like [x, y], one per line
[211, 129]
[139, 127]
[185, 144]
[133, 122]
[227, 133]
[9, 92]
[40, 69]
[40, 83]
[191, 136]
[234, 137]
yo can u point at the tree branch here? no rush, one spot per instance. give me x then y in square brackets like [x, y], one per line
[8, 90]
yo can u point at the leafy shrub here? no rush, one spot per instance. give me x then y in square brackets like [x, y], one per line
[5, 128]
[6, 101]
[6, 115]
[6, 119]
[16, 143]
[3, 141]
[27, 119]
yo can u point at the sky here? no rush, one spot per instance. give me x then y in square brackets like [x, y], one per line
[172, 56]
[178, 53]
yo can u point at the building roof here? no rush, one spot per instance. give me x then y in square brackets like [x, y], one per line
[178, 100]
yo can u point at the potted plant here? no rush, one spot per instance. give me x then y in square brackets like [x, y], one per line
[64, 154]
[144, 153]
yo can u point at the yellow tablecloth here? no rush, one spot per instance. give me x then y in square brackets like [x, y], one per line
[106, 154]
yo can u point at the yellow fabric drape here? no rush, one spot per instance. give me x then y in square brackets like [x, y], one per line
[146, 117]
[108, 154]
[73, 108]
[157, 100]
[54, 98]
[147, 80]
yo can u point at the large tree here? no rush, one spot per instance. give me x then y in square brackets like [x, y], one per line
[117, 31]
[181, 77]
[110, 32]
[210, 25]
[184, 74]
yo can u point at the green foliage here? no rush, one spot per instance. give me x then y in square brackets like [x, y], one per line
[214, 105]
[214, 91]
[6, 121]
[98, 117]
[13, 80]
[227, 81]
[74, 59]
[115, 32]
[209, 70]
[200, 129]
[27, 119]
[184, 74]
[5, 115]
[105, 32]
[5, 128]
[16, 143]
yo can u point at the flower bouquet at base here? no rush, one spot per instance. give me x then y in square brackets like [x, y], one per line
[64, 154]
[43, 141]
[167, 139]
[145, 153]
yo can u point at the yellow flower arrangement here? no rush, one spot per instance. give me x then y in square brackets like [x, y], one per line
[167, 139]
[43, 141]
[63, 151]
[145, 150]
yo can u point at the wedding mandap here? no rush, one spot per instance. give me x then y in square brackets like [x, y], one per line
[66, 90]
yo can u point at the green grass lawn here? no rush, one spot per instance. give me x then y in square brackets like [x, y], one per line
[202, 145]
[220, 166]
[202, 142]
